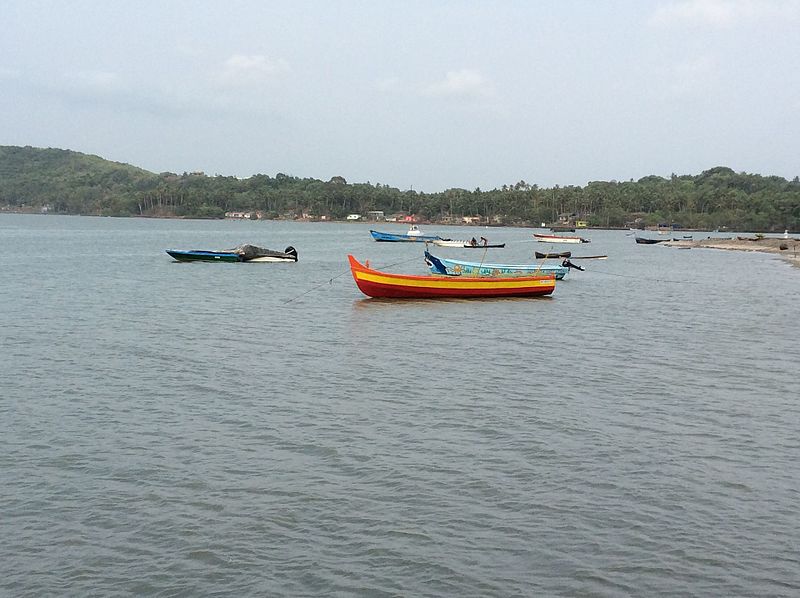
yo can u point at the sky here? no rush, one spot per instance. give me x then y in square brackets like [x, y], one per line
[424, 95]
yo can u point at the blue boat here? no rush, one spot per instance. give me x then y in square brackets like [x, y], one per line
[413, 234]
[441, 265]
[242, 253]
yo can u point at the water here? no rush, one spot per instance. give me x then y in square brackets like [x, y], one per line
[263, 429]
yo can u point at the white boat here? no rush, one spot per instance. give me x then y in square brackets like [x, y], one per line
[448, 243]
[559, 239]
[472, 244]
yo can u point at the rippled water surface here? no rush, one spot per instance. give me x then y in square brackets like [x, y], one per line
[264, 429]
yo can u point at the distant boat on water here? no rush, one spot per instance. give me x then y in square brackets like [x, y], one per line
[559, 238]
[471, 244]
[242, 253]
[414, 234]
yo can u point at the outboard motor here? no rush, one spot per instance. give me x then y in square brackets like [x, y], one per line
[291, 251]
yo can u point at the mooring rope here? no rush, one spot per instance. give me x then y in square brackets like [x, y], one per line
[330, 280]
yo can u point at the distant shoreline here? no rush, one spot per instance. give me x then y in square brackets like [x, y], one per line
[373, 222]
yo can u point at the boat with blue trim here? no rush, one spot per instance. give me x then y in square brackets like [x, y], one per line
[242, 253]
[450, 267]
[413, 234]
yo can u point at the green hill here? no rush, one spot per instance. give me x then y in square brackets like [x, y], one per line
[69, 182]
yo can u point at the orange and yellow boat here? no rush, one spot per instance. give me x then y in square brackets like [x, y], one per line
[375, 283]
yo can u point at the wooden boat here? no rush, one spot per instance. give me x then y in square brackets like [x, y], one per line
[413, 234]
[375, 283]
[441, 265]
[645, 241]
[561, 254]
[559, 238]
[466, 244]
[242, 253]
[590, 257]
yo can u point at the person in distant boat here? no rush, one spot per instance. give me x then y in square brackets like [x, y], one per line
[473, 242]
[568, 264]
[485, 241]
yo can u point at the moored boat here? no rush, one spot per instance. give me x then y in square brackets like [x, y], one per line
[559, 238]
[242, 253]
[413, 234]
[471, 244]
[450, 267]
[561, 254]
[646, 241]
[375, 283]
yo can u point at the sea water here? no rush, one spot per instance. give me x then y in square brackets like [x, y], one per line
[173, 429]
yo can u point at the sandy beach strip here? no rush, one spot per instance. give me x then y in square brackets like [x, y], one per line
[789, 249]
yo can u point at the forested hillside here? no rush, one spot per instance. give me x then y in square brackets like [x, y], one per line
[73, 183]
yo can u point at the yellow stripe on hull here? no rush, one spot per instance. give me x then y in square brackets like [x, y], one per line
[455, 283]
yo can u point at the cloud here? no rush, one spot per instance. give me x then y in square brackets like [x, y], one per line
[93, 89]
[723, 13]
[465, 83]
[693, 77]
[8, 74]
[94, 83]
[253, 68]
[387, 84]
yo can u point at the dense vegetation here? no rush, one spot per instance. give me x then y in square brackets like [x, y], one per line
[74, 183]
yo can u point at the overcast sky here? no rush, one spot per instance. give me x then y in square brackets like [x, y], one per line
[426, 95]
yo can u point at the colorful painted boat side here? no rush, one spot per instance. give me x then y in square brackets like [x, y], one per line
[375, 283]
[460, 267]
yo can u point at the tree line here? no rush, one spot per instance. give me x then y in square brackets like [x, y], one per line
[69, 182]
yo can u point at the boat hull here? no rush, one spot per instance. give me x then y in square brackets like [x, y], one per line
[203, 256]
[466, 244]
[248, 253]
[645, 241]
[404, 238]
[268, 259]
[559, 239]
[375, 283]
[560, 254]
[461, 268]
